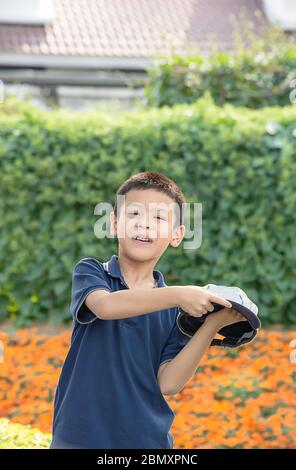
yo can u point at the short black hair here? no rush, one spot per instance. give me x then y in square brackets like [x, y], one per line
[157, 181]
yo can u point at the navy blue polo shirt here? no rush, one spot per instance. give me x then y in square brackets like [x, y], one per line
[108, 396]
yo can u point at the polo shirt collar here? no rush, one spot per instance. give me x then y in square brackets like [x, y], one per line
[112, 267]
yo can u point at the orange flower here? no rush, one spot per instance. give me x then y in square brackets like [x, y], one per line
[246, 401]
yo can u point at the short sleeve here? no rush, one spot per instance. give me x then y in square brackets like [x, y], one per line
[176, 341]
[88, 276]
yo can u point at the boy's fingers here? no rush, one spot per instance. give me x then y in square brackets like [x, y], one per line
[210, 307]
[219, 300]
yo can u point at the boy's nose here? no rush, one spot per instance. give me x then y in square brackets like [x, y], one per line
[143, 226]
[144, 223]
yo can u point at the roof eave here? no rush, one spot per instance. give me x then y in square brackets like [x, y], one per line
[81, 62]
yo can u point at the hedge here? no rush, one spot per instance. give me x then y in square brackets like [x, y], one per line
[55, 167]
[262, 75]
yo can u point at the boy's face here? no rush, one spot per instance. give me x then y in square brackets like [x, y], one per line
[148, 214]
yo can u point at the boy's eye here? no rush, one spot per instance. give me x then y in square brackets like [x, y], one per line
[135, 212]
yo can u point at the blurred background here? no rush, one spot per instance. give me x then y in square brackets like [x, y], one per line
[94, 91]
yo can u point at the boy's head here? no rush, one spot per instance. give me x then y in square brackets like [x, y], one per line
[148, 205]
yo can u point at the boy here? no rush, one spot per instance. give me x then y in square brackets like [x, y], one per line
[126, 350]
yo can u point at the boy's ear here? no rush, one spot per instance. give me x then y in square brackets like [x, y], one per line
[113, 224]
[178, 236]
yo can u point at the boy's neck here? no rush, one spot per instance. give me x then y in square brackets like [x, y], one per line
[137, 273]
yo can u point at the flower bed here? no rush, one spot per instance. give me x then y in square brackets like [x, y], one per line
[18, 436]
[242, 398]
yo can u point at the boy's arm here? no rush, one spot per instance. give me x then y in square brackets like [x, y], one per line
[179, 370]
[132, 302]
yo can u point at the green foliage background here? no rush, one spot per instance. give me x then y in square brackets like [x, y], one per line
[257, 74]
[55, 167]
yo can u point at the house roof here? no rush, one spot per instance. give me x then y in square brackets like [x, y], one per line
[127, 28]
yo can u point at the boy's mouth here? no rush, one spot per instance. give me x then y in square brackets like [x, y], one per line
[142, 240]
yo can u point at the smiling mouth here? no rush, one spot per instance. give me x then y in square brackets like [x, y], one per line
[142, 240]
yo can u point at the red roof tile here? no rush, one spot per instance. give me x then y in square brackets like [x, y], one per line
[127, 28]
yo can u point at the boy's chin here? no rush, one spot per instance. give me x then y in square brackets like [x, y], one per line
[139, 253]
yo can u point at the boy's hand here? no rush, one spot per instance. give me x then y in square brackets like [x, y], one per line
[224, 317]
[197, 300]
